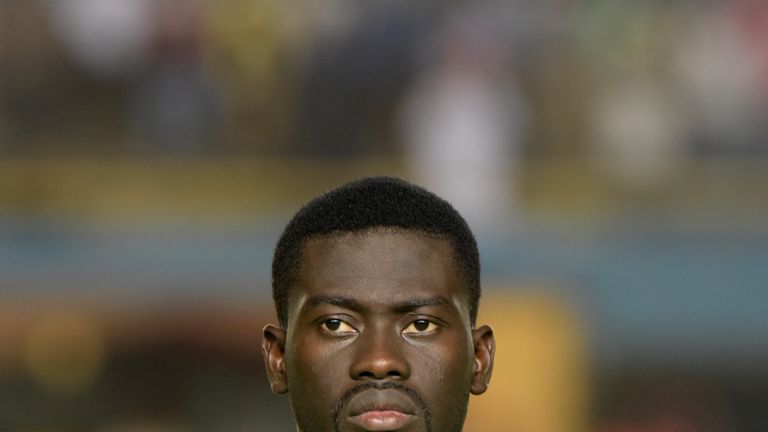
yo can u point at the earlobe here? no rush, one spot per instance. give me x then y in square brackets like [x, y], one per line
[273, 348]
[485, 348]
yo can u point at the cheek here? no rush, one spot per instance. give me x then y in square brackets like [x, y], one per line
[444, 369]
[315, 382]
[448, 386]
[315, 366]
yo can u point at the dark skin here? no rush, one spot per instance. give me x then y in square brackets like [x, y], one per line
[378, 336]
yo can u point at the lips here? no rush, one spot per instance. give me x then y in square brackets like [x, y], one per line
[382, 420]
[381, 410]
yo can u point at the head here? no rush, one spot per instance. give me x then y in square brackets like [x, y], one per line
[376, 286]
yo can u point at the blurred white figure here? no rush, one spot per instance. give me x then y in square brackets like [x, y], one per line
[640, 132]
[722, 78]
[462, 123]
[107, 38]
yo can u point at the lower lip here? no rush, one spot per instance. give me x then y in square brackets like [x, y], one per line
[382, 420]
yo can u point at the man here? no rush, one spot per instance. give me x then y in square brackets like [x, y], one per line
[376, 286]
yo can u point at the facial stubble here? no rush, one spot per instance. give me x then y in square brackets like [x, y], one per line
[413, 394]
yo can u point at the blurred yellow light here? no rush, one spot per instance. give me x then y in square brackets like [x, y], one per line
[64, 353]
[539, 377]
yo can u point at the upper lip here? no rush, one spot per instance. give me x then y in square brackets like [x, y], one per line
[381, 400]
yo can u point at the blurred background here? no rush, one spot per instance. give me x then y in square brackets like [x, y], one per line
[610, 155]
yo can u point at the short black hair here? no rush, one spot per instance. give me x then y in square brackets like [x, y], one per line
[369, 203]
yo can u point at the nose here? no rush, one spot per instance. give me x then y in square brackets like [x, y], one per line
[380, 355]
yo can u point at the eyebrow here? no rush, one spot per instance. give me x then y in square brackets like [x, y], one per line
[342, 301]
[400, 307]
[413, 304]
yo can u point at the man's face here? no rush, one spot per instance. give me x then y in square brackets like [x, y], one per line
[379, 336]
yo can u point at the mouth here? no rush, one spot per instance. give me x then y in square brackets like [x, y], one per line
[382, 420]
[381, 410]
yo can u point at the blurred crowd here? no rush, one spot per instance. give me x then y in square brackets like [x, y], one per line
[646, 82]
[633, 90]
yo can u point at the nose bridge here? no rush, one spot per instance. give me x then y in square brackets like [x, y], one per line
[380, 354]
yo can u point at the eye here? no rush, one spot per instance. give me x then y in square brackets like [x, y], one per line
[336, 326]
[420, 327]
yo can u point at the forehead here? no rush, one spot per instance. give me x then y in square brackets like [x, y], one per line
[378, 264]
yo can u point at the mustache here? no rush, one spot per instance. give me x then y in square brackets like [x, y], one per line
[413, 394]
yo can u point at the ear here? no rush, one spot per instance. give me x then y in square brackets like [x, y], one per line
[485, 347]
[273, 348]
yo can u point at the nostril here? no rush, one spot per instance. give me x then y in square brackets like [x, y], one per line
[379, 359]
[375, 376]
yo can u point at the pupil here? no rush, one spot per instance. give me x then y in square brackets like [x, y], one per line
[333, 324]
[421, 325]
